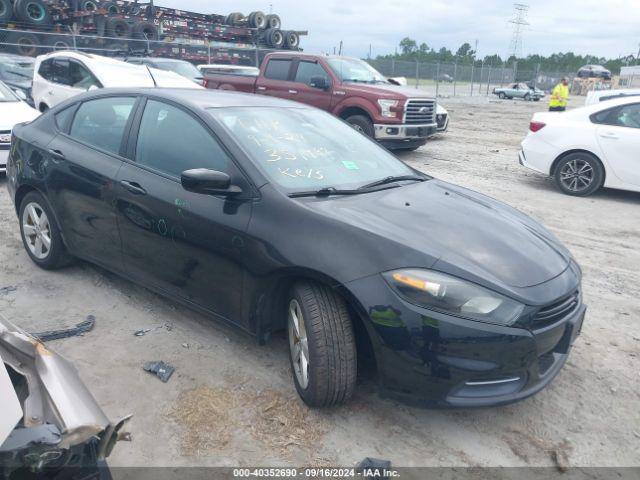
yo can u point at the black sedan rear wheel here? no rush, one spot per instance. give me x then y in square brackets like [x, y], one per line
[322, 345]
[40, 234]
[579, 174]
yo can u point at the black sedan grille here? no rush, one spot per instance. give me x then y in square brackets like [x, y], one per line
[556, 311]
[420, 112]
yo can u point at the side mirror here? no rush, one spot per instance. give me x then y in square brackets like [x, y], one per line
[21, 95]
[209, 182]
[321, 83]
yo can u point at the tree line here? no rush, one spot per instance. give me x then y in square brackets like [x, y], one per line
[410, 50]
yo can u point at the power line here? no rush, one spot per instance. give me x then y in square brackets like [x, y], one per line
[519, 21]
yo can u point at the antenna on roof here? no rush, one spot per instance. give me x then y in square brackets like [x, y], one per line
[155, 84]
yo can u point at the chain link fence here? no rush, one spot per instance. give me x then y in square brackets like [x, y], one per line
[455, 79]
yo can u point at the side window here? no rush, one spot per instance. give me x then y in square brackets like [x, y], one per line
[64, 117]
[80, 77]
[622, 116]
[101, 123]
[61, 71]
[172, 141]
[278, 69]
[46, 70]
[308, 70]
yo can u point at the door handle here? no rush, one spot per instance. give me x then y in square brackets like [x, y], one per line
[57, 155]
[293, 91]
[262, 89]
[611, 136]
[133, 187]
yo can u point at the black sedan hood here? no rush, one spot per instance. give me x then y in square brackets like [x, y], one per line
[470, 235]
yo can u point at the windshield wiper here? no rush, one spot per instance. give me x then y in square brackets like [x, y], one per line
[324, 192]
[394, 179]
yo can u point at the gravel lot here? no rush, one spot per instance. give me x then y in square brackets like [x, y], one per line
[232, 403]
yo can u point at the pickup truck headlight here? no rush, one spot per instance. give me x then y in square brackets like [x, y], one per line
[447, 294]
[386, 106]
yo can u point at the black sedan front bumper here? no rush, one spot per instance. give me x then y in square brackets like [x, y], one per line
[432, 359]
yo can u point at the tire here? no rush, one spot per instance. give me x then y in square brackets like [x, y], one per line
[362, 124]
[234, 19]
[330, 358]
[527, 98]
[6, 11]
[569, 180]
[273, 21]
[117, 28]
[536, 99]
[274, 38]
[145, 31]
[89, 6]
[24, 43]
[32, 207]
[111, 8]
[501, 96]
[33, 12]
[291, 40]
[58, 43]
[257, 20]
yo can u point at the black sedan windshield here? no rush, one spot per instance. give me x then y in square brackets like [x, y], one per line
[303, 149]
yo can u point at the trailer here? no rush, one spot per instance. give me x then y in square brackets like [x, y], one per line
[33, 27]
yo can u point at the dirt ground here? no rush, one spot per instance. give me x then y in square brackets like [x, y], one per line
[232, 403]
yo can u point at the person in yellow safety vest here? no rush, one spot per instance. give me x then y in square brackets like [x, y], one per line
[559, 96]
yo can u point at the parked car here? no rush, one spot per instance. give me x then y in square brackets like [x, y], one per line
[181, 67]
[596, 96]
[587, 148]
[12, 111]
[61, 75]
[219, 68]
[445, 77]
[50, 424]
[519, 90]
[17, 72]
[400, 118]
[271, 215]
[594, 71]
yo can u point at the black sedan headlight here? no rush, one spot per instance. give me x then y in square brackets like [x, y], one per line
[447, 294]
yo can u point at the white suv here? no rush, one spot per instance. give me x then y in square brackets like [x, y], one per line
[61, 75]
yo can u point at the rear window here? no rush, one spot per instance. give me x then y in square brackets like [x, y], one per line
[278, 69]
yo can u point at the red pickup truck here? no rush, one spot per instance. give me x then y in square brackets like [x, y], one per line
[398, 117]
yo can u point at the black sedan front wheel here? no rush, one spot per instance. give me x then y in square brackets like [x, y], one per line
[322, 345]
[579, 174]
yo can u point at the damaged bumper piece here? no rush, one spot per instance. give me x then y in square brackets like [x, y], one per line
[49, 421]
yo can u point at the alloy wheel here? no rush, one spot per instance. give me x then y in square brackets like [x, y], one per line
[577, 175]
[298, 344]
[36, 230]
[357, 128]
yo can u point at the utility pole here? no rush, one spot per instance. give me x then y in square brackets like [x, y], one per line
[519, 21]
[340, 50]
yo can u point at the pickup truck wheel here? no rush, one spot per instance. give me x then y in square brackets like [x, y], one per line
[362, 124]
[322, 345]
[501, 96]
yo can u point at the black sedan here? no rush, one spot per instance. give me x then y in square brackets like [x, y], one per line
[274, 216]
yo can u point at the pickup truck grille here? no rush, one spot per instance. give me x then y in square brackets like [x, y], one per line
[420, 112]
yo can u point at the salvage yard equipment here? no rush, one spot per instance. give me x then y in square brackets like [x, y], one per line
[60, 24]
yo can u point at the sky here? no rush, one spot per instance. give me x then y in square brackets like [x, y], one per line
[608, 28]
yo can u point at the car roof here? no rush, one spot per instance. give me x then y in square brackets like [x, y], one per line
[201, 98]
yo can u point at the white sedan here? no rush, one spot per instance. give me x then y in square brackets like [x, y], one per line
[587, 148]
[13, 110]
